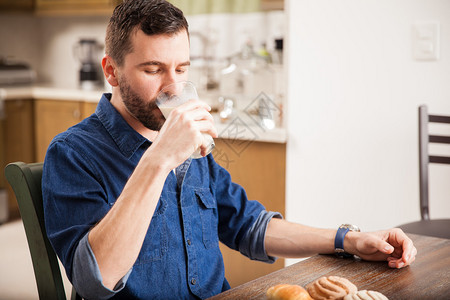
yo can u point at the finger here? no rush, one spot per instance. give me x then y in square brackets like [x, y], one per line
[401, 262]
[205, 126]
[414, 257]
[200, 114]
[193, 104]
[408, 249]
[408, 258]
[195, 113]
[198, 119]
[383, 246]
[204, 149]
[391, 258]
[396, 264]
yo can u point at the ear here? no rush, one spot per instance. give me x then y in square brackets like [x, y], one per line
[109, 70]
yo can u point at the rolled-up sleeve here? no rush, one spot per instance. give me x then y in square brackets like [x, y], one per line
[252, 245]
[86, 276]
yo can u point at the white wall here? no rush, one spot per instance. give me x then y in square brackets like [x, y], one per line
[58, 65]
[46, 43]
[18, 39]
[353, 93]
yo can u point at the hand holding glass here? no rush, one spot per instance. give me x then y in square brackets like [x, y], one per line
[175, 95]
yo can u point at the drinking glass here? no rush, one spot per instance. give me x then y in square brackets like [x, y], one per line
[176, 94]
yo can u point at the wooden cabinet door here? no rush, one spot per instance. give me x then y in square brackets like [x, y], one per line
[260, 168]
[53, 117]
[17, 142]
[16, 5]
[88, 109]
[75, 7]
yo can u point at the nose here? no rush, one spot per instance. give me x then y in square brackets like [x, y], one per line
[169, 78]
[170, 90]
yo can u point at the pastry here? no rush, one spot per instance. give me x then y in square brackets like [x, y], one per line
[287, 292]
[366, 295]
[331, 287]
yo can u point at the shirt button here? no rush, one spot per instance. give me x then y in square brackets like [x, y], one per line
[193, 281]
[189, 242]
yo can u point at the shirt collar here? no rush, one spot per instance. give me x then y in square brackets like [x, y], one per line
[126, 138]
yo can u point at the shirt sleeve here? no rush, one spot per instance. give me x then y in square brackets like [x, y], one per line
[252, 245]
[74, 198]
[86, 277]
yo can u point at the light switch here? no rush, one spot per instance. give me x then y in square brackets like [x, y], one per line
[425, 41]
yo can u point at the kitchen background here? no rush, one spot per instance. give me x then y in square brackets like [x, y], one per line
[46, 42]
[33, 115]
[352, 85]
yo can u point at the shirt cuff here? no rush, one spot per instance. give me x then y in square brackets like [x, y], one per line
[86, 277]
[252, 245]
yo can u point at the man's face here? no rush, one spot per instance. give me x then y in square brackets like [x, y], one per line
[155, 62]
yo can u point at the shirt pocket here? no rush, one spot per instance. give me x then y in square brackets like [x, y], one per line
[208, 215]
[155, 244]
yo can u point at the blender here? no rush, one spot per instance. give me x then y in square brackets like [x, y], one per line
[88, 52]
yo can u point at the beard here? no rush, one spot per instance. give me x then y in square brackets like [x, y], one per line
[145, 112]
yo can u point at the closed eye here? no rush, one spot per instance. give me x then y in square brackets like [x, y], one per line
[156, 71]
[182, 71]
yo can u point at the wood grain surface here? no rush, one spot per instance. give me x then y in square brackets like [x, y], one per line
[427, 278]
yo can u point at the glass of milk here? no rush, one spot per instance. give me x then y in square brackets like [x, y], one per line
[176, 94]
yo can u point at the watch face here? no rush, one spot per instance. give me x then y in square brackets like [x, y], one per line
[350, 227]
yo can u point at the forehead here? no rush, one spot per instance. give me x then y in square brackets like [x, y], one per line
[160, 47]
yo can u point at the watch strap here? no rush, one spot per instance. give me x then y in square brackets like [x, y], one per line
[339, 242]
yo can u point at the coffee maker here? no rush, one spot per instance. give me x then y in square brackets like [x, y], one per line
[88, 52]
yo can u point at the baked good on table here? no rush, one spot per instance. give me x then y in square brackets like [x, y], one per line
[366, 295]
[331, 287]
[287, 292]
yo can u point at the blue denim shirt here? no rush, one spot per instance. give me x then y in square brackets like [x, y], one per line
[85, 170]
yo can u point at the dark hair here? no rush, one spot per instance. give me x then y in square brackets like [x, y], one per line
[151, 16]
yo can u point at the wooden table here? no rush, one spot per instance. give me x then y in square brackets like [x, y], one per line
[427, 278]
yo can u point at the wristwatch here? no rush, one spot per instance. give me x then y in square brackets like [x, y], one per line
[339, 239]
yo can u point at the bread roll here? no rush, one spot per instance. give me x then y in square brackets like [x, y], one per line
[366, 295]
[287, 292]
[331, 287]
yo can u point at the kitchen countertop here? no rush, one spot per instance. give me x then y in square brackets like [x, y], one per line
[48, 92]
[247, 127]
[240, 127]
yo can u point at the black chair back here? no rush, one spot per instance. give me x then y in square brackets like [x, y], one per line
[424, 156]
[25, 179]
[427, 226]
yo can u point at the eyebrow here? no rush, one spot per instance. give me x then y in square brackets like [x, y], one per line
[158, 63]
